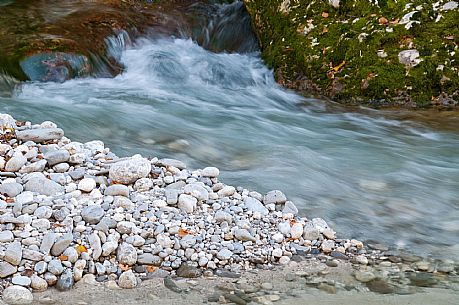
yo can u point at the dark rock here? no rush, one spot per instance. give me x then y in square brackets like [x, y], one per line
[226, 273]
[188, 271]
[235, 299]
[339, 255]
[171, 285]
[423, 279]
[65, 281]
[380, 286]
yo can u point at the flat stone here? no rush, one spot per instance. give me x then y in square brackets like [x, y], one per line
[224, 254]
[380, 286]
[57, 156]
[43, 186]
[15, 163]
[17, 295]
[13, 253]
[364, 276]
[55, 267]
[171, 162]
[197, 191]
[40, 135]
[188, 271]
[117, 190]
[11, 189]
[148, 259]
[6, 269]
[38, 166]
[47, 242]
[290, 208]
[423, 279]
[221, 216]
[61, 244]
[6, 236]
[20, 280]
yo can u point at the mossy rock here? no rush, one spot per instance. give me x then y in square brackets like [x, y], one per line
[381, 53]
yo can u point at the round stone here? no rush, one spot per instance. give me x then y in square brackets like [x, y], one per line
[127, 280]
[129, 171]
[17, 295]
[92, 214]
[210, 172]
[87, 185]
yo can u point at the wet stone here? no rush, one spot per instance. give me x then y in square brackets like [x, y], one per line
[380, 286]
[188, 271]
[40, 135]
[423, 279]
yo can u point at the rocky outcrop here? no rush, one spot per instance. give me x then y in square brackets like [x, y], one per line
[57, 40]
[382, 53]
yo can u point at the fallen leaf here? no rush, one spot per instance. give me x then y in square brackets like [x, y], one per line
[9, 200]
[339, 67]
[325, 15]
[324, 30]
[184, 232]
[151, 269]
[80, 249]
[63, 257]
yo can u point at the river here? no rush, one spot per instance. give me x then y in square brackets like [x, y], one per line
[371, 175]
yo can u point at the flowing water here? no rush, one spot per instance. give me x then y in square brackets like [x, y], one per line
[370, 176]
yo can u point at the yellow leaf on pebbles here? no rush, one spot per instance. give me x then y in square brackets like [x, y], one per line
[80, 249]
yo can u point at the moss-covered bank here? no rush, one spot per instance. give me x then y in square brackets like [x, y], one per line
[384, 53]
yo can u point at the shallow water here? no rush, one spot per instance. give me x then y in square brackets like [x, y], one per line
[370, 176]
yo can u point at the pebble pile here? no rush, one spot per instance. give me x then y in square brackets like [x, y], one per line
[68, 209]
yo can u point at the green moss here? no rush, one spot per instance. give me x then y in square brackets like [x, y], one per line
[304, 43]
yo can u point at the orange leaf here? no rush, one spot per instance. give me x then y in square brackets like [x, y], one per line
[9, 200]
[184, 232]
[324, 14]
[80, 249]
[63, 257]
[150, 269]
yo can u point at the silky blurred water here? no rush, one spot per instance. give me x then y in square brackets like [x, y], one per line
[369, 176]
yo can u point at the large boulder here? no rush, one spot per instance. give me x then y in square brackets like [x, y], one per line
[59, 40]
[381, 53]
